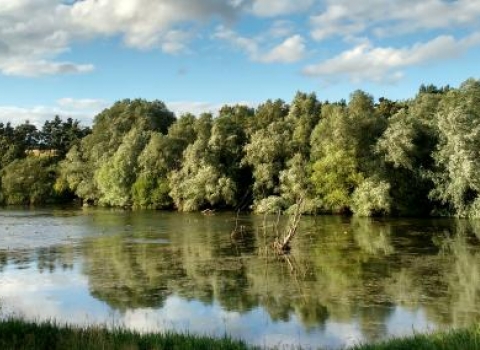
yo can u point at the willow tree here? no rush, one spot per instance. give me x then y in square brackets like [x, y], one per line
[406, 147]
[342, 152]
[204, 178]
[457, 159]
[86, 169]
[335, 170]
[28, 181]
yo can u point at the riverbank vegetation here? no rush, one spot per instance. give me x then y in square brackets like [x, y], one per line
[16, 334]
[414, 157]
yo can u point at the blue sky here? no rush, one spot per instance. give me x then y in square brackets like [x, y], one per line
[75, 58]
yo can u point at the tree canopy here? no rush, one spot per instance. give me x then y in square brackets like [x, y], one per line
[413, 157]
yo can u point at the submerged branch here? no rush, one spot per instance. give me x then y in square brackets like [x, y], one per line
[283, 246]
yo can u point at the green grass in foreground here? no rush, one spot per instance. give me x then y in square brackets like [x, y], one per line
[17, 334]
[462, 339]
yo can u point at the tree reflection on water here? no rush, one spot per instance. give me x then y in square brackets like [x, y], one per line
[340, 270]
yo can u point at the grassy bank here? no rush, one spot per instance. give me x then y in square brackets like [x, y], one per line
[16, 334]
[462, 339]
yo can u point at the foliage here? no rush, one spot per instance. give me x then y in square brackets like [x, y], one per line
[28, 181]
[19, 334]
[413, 157]
[460, 339]
[371, 198]
[457, 158]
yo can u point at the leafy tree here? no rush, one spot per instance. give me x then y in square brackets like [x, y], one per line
[295, 186]
[28, 181]
[161, 155]
[335, 171]
[371, 198]
[266, 154]
[117, 175]
[76, 175]
[406, 147]
[209, 165]
[120, 131]
[342, 150]
[26, 136]
[457, 159]
[304, 114]
[59, 136]
[9, 148]
[268, 113]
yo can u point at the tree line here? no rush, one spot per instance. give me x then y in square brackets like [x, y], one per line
[412, 157]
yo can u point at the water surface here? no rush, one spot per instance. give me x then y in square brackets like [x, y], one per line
[346, 280]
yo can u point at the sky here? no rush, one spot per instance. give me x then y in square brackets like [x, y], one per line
[75, 58]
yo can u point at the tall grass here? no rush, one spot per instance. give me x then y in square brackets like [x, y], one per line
[22, 335]
[462, 339]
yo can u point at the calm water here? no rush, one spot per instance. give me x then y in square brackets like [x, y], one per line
[345, 281]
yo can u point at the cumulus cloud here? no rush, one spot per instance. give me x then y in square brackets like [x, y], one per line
[145, 23]
[291, 49]
[281, 29]
[88, 104]
[272, 8]
[20, 67]
[347, 18]
[34, 33]
[197, 108]
[83, 110]
[385, 64]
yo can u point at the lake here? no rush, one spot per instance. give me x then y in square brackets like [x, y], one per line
[346, 280]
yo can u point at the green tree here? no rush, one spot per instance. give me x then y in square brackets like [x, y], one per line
[59, 136]
[406, 146]
[120, 131]
[342, 150]
[304, 114]
[457, 159]
[335, 171]
[9, 148]
[28, 181]
[266, 154]
[117, 175]
[210, 165]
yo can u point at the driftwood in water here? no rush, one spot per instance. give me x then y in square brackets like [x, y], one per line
[282, 246]
[239, 230]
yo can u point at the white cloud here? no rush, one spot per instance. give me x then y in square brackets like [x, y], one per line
[346, 18]
[248, 45]
[197, 108]
[145, 23]
[33, 33]
[385, 64]
[272, 8]
[89, 104]
[292, 49]
[281, 29]
[42, 67]
[193, 107]
[83, 110]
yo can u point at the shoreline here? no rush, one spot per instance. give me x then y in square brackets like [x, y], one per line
[18, 334]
